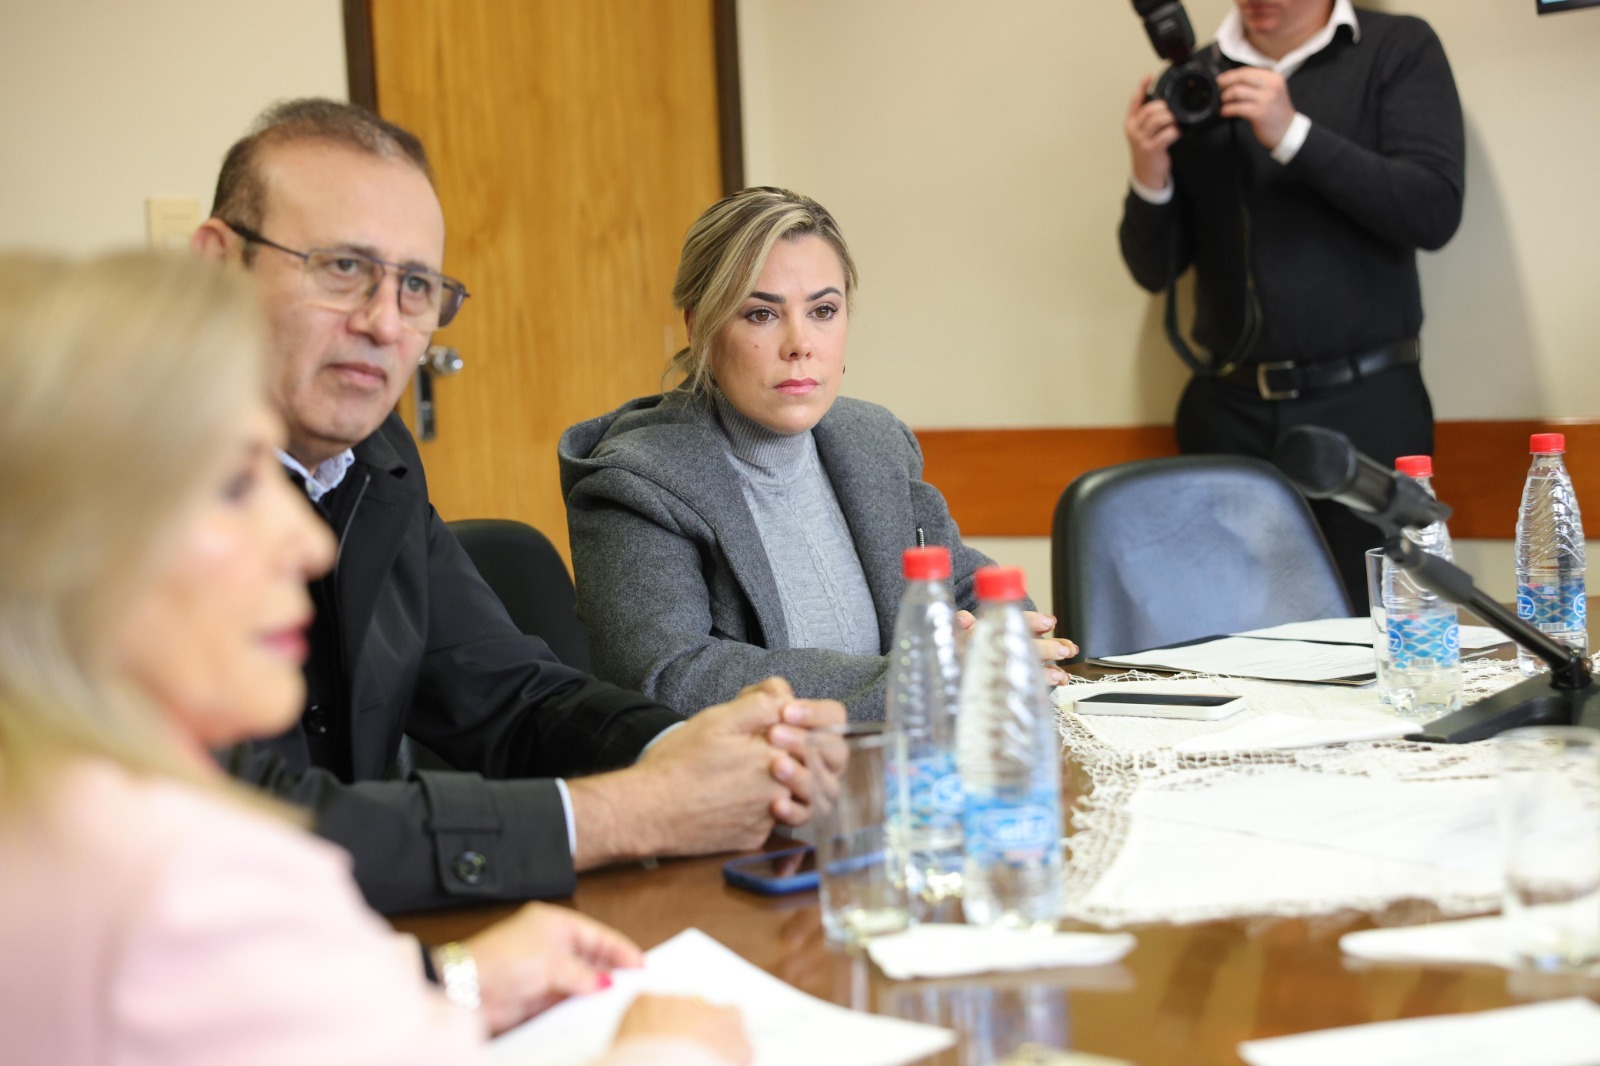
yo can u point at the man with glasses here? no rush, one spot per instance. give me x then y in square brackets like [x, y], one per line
[332, 212]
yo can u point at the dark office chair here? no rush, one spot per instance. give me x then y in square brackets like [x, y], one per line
[1160, 551]
[527, 573]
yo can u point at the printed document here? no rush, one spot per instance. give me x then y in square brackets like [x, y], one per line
[785, 1026]
[1275, 660]
[1359, 631]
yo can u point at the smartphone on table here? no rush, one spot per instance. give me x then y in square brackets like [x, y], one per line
[774, 873]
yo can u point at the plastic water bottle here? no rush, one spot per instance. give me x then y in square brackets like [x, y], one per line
[1424, 676]
[1550, 552]
[1009, 754]
[923, 695]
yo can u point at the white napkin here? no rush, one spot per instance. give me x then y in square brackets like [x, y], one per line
[1272, 731]
[1564, 1032]
[1467, 941]
[941, 950]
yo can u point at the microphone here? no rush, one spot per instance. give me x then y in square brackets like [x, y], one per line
[1323, 464]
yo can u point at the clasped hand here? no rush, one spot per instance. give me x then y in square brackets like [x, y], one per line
[718, 782]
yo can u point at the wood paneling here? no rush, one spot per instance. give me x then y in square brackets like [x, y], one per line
[1005, 482]
[1480, 468]
[730, 101]
[359, 73]
[573, 144]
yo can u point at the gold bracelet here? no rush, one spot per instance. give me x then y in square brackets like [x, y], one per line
[458, 973]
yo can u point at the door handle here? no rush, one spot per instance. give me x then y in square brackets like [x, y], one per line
[437, 361]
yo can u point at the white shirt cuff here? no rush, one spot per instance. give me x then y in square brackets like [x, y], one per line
[1149, 195]
[1293, 138]
[566, 797]
[566, 809]
[657, 738]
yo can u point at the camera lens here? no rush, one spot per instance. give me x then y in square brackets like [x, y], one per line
[1194, 93]
[1190, 90]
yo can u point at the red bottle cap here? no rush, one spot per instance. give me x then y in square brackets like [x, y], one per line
[1000, 583]
[926, 564]
[1544, 443]
[1415, 465]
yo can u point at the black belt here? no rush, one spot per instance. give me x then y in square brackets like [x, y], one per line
[1290, 381]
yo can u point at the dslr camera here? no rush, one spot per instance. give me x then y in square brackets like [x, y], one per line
[1189, 85]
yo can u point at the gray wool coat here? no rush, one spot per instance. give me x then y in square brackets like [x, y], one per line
[673, 582]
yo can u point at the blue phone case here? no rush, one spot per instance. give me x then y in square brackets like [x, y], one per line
[737, 873]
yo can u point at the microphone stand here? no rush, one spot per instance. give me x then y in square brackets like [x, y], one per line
[1568, 696]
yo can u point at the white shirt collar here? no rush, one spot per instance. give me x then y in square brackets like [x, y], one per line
[1236, 46]
[328, 475]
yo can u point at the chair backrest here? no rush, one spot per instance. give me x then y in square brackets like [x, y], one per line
[1160, 551]
[527, 573]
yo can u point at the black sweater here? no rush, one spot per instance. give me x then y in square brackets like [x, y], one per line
[1335, 232]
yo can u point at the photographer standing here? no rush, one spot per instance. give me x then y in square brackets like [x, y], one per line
[1338, 153]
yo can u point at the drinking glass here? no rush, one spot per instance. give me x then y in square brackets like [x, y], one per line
[1380, 623]
[1549, 783]
[863, 888]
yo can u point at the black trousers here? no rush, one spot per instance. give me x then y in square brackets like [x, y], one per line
[1385, 416]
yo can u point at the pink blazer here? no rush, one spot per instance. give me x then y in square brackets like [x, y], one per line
[145, 922]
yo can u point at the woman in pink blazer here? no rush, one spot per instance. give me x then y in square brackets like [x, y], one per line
[153, 607]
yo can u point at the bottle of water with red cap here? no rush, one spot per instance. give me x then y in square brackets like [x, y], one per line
[1550, 552]
[1009, 754]
[1423, 679]
[922, 696]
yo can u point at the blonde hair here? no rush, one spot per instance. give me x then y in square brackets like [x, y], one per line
[120, 378]
[723, 256]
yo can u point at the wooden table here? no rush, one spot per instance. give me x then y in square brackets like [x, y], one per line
[1186, 996]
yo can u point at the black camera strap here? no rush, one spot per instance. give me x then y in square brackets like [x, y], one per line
[1250, 326]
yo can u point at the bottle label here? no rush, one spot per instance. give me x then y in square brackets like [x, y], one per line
[1424, 641]
[1020, 831]
[933, 792]
[1555, 606]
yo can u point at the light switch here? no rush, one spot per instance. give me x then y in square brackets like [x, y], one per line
[170, 221]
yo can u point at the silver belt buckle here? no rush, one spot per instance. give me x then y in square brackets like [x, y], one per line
[1262, 370]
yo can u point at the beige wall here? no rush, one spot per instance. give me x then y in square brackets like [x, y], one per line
[974, 155]
[972, 150]
[106, 102]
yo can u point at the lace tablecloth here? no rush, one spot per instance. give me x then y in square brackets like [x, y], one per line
[1130, 866]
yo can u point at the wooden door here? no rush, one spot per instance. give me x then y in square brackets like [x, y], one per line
[573, 142]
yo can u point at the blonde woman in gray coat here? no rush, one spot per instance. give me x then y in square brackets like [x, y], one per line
[750, 521]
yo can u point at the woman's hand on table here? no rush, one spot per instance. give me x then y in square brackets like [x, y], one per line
[1050, 648]
[541, 955]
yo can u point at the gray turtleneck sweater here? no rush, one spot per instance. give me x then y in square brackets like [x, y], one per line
[826, 601]
[679, 588]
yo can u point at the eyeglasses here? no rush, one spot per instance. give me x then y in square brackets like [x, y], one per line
[344, 280]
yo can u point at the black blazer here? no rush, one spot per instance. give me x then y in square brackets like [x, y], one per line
[430, 652]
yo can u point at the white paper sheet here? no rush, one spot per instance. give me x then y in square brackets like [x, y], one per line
[1359, 631]
[1279, 732]
[1563, 1033]
[942, 950]
[785, 1026]
[1471, 941]
[1449, 824]
[1276, 660]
